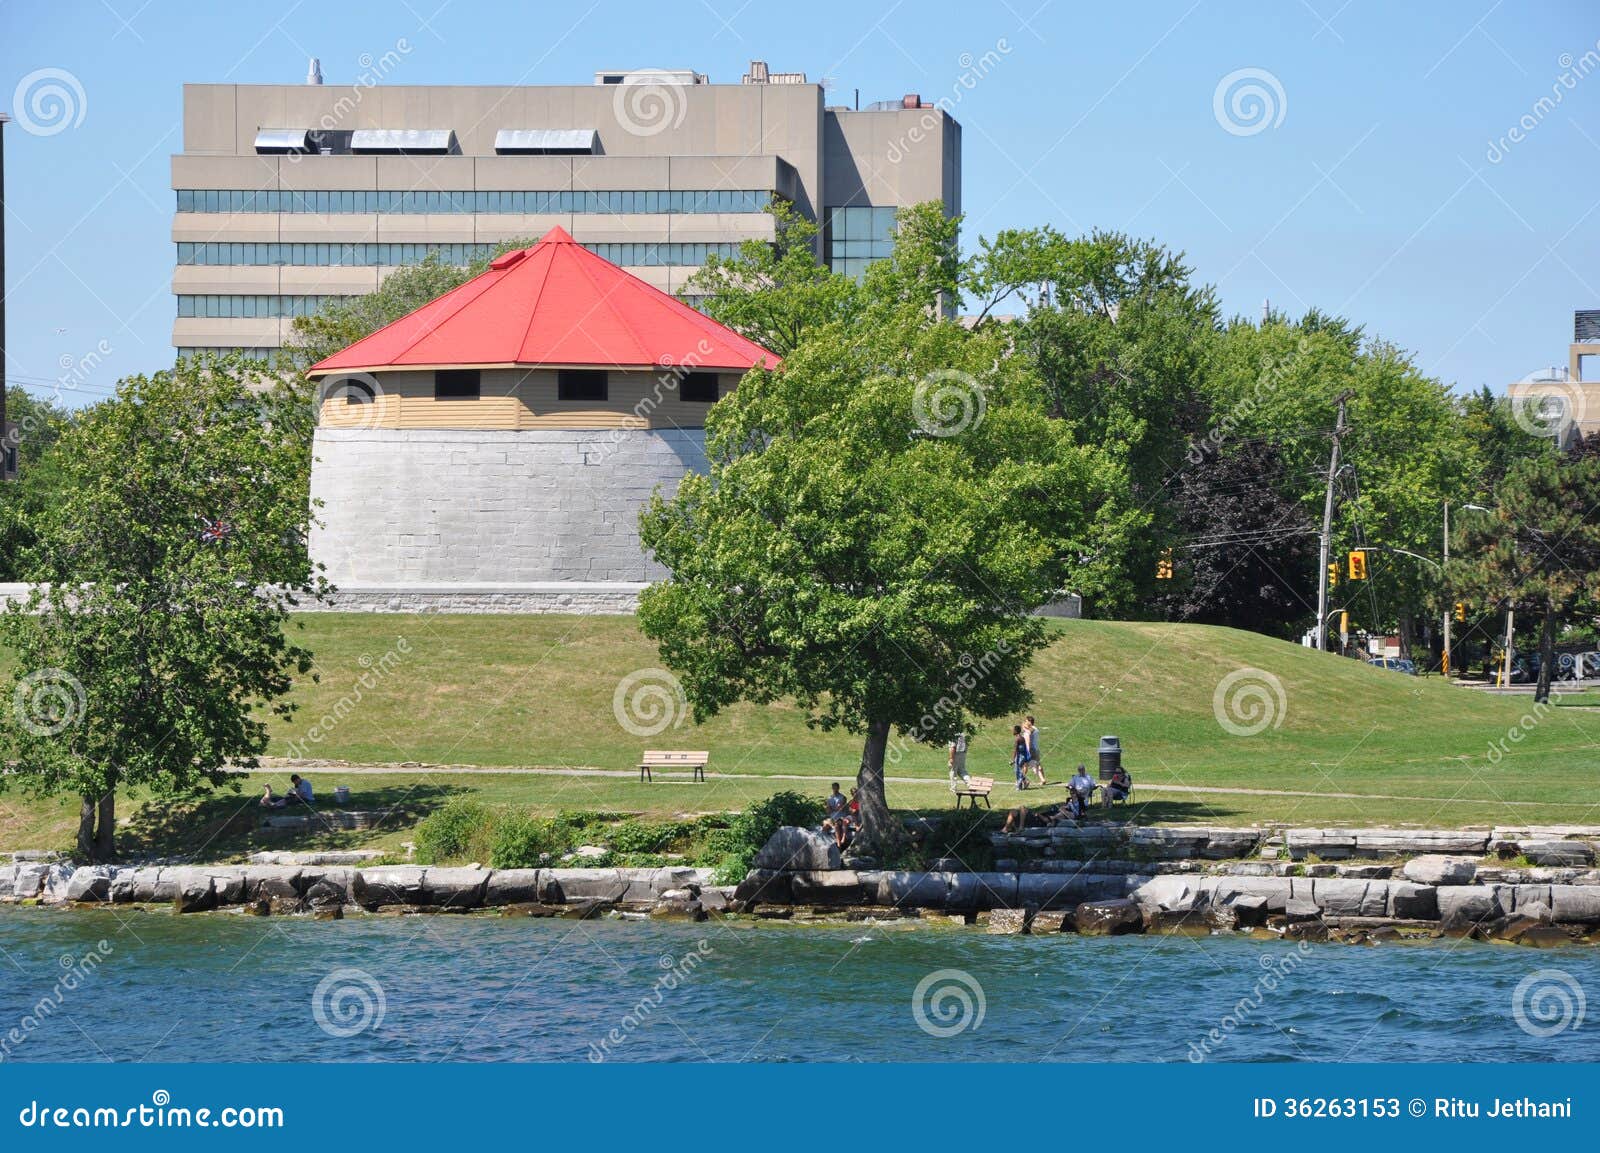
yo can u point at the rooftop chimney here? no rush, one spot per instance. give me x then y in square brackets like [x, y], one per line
[314, 72]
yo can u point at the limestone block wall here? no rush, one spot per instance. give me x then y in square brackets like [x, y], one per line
[457, 507]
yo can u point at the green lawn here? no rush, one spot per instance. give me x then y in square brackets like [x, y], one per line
[538, 692]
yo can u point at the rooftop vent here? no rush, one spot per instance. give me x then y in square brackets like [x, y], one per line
[277, 141]
[314, 72]
[652, 76]
[408, 141]
[759, 73]
[546, 141]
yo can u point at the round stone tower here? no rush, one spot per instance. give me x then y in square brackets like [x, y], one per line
[492, 450]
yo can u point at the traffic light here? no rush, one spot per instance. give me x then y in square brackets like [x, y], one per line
[1358, 565]
[1333, 574]
[1461, 611]
[1164, 565]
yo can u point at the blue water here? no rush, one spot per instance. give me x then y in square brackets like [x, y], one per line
[233, 988]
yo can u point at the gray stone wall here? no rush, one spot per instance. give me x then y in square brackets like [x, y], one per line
[439, 507]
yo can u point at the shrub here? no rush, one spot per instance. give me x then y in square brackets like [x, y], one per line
[637, 837]
[522, 841]
[730, 851]
[448, 834]
[962, 834]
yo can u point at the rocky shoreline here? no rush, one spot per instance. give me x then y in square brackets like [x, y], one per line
[1534, 887]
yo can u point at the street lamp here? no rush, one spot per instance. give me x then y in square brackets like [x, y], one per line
[1444, 667]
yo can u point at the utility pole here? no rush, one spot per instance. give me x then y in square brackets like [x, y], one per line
[1321, 630]
[1449, 608]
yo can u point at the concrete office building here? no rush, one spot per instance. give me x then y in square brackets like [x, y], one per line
[1563, 401]
[290, 194]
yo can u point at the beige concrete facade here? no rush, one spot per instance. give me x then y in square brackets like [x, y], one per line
[1564, 404]
[749, 141]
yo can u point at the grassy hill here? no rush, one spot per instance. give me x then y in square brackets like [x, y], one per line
[539, 692]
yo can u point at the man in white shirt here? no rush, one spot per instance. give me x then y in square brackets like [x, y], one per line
[958, 759]
[1082, 785]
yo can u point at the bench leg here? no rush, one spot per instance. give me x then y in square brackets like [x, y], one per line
[958, 802]
[644, 772]
[699, 774]
[986, 803]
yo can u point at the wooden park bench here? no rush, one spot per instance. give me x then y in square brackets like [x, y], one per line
[975, 787]
[668, 759]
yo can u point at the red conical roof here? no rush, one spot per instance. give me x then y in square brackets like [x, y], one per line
[556, 303]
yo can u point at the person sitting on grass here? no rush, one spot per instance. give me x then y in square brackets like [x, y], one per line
[299, 790]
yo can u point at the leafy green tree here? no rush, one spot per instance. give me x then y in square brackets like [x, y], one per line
[168, 562]
[39, 424]
[774, 291]
[1118, 336]
[881, 515]
[1539, 552]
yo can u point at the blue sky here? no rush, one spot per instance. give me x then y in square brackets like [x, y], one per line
[1382, 183]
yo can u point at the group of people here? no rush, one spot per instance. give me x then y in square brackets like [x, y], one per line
[1025, 759]
[1080, 792]
[844, 815]
[300, 793]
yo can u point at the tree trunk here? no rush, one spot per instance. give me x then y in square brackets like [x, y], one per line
[105, 837]
[97, 827]
[1405, 636]
[86, 811]
[1547, 654]
[880, 833]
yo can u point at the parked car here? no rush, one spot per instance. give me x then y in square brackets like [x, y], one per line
[1397, 664]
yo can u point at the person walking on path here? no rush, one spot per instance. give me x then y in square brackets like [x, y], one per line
[1030, 734]
[1019, 755]
[958, 760]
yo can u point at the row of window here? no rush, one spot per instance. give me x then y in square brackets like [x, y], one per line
[249, 307]
[574, 384]
[370, 255]
[185, 351]
[369, 201]
[858, 236]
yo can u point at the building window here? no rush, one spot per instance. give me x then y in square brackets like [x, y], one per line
[858, 236]
[699, 388]
[354, 391]
[580, 384]
[455, 384]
